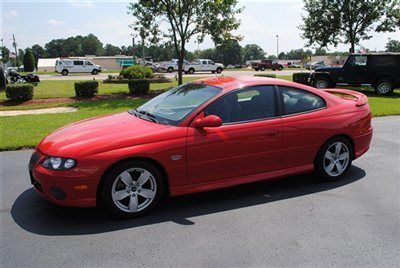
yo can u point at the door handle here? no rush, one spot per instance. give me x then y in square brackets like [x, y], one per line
[271, 133]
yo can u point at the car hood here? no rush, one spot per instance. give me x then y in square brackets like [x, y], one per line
[101, 134]
[328, 69]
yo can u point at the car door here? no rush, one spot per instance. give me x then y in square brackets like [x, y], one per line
[204, 65]
[78, 66]
[302, 128]
[355, 70]
[248, 142]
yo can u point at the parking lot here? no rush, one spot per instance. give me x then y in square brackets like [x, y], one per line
[296, 221]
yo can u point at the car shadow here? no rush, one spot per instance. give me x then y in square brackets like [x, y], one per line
[35, 215]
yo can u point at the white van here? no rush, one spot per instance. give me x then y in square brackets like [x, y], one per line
[76, 66]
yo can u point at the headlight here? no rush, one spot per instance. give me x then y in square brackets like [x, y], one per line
[58, 163]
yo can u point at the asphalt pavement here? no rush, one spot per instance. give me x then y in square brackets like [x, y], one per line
[292, 222]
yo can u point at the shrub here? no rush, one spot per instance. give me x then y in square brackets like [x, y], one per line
[136, 72]
[266, 75]
[110, 77]
[19, 91]
[86, 89]
[139, 86]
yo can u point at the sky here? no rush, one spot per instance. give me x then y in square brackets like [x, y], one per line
[38, 22]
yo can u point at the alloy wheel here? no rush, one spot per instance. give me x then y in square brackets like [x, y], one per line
[336, 159]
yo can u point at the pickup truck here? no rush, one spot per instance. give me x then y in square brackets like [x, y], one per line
[380, 70]
[266, 64]
[171, 66]
[203, 65]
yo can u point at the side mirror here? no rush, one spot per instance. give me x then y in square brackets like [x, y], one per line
[208, 121]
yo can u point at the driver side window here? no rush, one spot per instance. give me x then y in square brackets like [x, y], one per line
[253, 103]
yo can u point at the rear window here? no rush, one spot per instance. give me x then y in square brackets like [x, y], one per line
[383, 61]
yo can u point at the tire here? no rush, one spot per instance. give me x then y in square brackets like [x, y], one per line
[262, 68]
[219, 70]
[95, 72]
[64, 72]
[280, 68]
[332, 163]
[170, 70]
[384, 86]
[3, 79]
[256, 69]
[130, 201]
[321, 83]
[191, 71]
[213, 72]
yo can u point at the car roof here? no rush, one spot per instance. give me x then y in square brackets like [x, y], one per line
[228, 83]
[377, 54]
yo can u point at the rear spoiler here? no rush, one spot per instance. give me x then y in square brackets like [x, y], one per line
[360, 98]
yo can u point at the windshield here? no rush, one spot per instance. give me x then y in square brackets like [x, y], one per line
[173, 106]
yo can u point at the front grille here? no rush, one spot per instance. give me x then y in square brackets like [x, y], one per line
[34, 159]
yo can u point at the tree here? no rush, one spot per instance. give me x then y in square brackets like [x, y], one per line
[393, 46]
[329, 22]
[5, 54]
[272, 57]
[110, 50]
[21, 54]
[38, 52]
[298, 54]
[253, 52]
[91, 45]
[29, 61]
[282, 56]
[55, 48]
[184, 20]
[230, 52]
[320, 52]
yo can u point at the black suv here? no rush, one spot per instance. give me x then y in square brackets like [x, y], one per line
[381, 70]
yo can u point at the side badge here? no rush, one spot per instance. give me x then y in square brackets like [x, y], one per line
[176, 157]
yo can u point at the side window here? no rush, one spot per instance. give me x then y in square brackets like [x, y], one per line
[358, 61]
[253, 103]
[204, 62]
[78, 62]
[211, 62]
[383, 61]
[298, 101]
[88, 63]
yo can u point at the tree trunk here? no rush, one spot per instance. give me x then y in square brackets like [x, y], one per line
[352, 49]
[180, 64]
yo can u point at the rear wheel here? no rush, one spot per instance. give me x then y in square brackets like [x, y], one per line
[191, 71]
[256, 69]
[64, 72]
[321, 82]
[280, 68]
[132, 189]
[384, 86]
[170, 69]
[334, 159]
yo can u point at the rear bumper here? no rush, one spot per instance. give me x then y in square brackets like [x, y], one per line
[362, 143]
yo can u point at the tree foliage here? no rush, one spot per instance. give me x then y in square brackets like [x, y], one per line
[29, 61]
[184, 20]
[330, 22]
[393, 46]
[5, 54]
[38, 52]
[253, 52]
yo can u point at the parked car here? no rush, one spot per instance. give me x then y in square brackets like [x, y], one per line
[203, 65]
[67, 66]
[171, 66]
[381, 70]
[314, 65]
[204, 135]
[267, 64]
[294, 65]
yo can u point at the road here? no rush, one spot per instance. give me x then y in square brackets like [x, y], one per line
[293, 222]
[103, 76]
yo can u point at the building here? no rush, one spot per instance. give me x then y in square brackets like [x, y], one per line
[330, 60]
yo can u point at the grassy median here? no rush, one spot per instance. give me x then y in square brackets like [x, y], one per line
[25, 131]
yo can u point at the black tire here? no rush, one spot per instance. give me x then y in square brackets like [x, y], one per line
[95, 72]
[191, 70]
[256, 69]
[213, 72]
[321, 161]
[219, 70]
[3, 78]
[280, 68]
[322, 82]
[170, 69]
[105, 190]
[64, 72]
[384, 86]
[262, 68]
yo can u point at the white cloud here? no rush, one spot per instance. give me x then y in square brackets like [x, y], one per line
[55, 22]
[10, 14]
[81, 3]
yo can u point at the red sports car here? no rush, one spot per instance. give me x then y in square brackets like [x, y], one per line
[200, 136]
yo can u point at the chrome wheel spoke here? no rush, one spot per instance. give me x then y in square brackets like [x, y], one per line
[330, 167]
[133, 203]
[329, 155]
[143, 178]
[146, 193]
[343, 156]
[117, 196]
[126, 178]
[339, 167]
[338, 148]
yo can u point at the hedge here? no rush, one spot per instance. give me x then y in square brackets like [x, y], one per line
[86, 89]
[139, 86]
[125, 80]
[19, 91]
[137, 72]
[266, 75]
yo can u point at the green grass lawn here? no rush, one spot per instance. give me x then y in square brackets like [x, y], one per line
[26, 131]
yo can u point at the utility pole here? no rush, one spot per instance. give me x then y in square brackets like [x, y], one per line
[277, 46]
[15, 49]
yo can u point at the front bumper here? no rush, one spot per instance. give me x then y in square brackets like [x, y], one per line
[63, 188]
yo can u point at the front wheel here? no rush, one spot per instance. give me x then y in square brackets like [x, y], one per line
[384, 87]
[95, 72]
[321, 83]
[280, 68]
[132, 189]
[219, 70]
[334, 159]
[262, 68]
